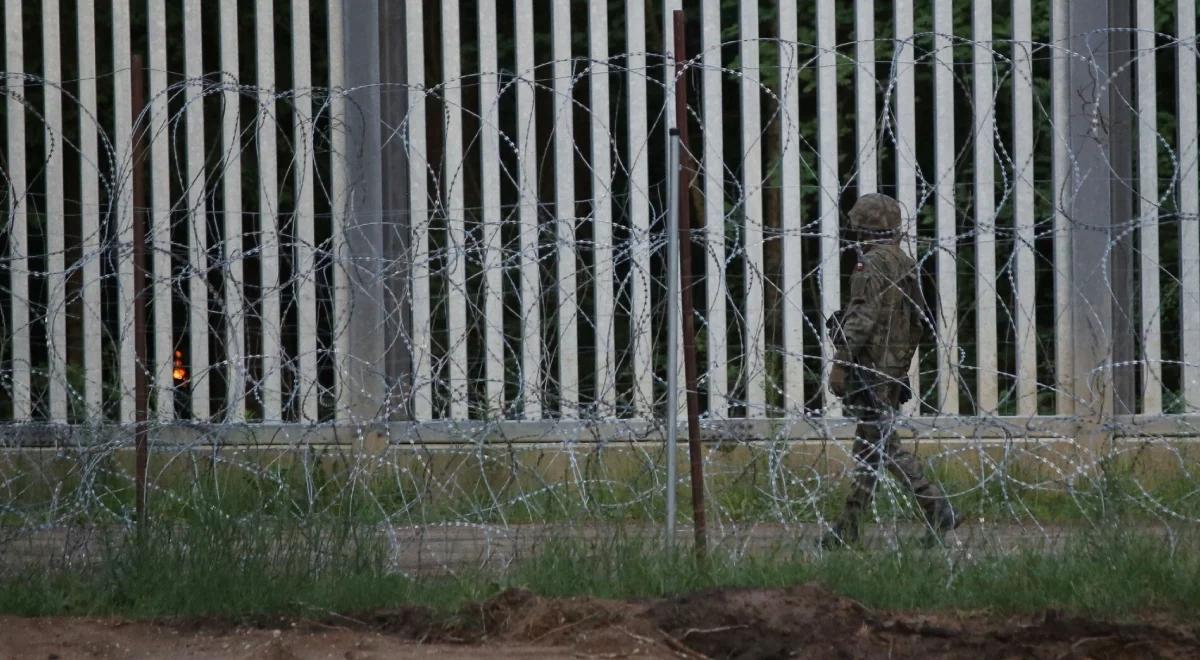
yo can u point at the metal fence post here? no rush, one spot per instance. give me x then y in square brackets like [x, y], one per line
[673, 317]
[1099, 267]
[1121, 118]
[364, 390]
[683, 178]
[141, 413]
[395, 223]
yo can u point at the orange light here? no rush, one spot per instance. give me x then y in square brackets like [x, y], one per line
[179, 373]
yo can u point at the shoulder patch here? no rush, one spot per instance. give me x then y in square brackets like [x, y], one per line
[860, 267]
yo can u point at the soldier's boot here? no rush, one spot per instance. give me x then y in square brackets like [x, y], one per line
[848, 526]
[845, 532]
[940, 517]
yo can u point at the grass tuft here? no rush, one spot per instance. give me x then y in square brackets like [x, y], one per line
[267, 567]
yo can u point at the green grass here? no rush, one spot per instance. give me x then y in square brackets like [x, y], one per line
[491, 490]
[265, 567]
[219, 566]
[1102, 574]
[291, 540]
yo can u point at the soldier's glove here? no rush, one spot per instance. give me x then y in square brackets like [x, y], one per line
[837, 380]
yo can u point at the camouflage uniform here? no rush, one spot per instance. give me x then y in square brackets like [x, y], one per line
[878, 335]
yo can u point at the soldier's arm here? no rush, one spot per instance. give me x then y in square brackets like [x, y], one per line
[862, 313]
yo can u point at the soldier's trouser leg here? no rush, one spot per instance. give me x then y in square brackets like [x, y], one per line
[872, 402]
[869, 450]
[907, 468]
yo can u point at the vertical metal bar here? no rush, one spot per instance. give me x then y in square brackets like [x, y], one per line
[1121, 181]
[89, 203]
[947, 322]
[1189, 205]
[752, 185]
[987, 393]
[564, 206]
[830, 269]
[673, 334]
[1089, 209]
[1064, 357]
[1148, 203]
[668, 81]
[714, 212]
[683, 229]
[669, 7]
[56, 153]
[138, 257]
[160, 221]
[531, 317]
[127, 359]
[530, 356]
[906, 156]
[394, 217]
[339, 195]
[906, 123]
[357, 236]
[197, 201]
[455, 210]
[489, 95]
[418, 200]
[667, 49]
[304, 141]
[271, 386]
[358, 229]
[337, 199]
[791, 221]
[1023, 208]
[14, 63]
[602, 177]
[231, 182]
[864, 95]
[339, 192]
[639, 211]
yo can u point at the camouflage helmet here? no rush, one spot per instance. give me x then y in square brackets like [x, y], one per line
[875, 213]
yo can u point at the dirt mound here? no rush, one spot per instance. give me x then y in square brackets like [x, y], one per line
[590, 625]
[756, 623]
[808, 621]
[804, 621]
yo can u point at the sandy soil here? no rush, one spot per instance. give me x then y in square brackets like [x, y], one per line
[803, 621]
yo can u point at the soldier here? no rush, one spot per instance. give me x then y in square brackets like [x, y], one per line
[876, 336]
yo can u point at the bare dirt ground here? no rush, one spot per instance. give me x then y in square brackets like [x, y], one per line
[803, 621]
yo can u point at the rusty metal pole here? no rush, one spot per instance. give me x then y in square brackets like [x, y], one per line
[141, 404]
[684, 179]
